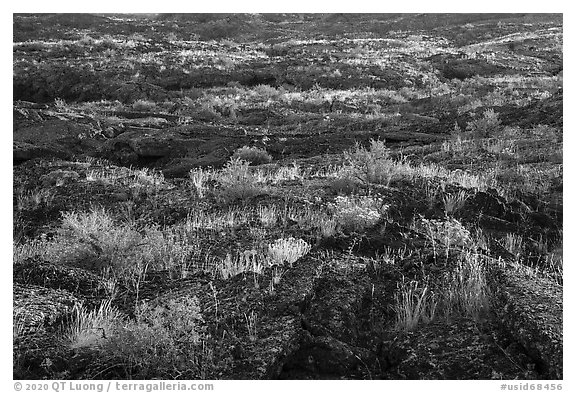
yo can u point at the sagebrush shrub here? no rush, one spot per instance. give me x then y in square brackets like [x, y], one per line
[357, 213]
[254, 155]
[450, 232]
[143, 106]
[345, 183]
[93, 240]
[237, 182]
[163, 342]
[487, 125]
[373, 165]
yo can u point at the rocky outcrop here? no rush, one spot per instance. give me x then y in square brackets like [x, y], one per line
[38, 310]
[530, 309]
[23, 151]
[60, 277]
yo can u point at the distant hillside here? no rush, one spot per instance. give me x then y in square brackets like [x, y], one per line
[264, 27]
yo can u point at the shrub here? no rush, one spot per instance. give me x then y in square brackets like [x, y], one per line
[58, 178]
[345, 183]
[266, 92]
[373, 165]
[143, 106]
[486, 126]
[237, 182]
[163, 342]
[449, 232]
[94, 241]
[253, 155]
[357, 213]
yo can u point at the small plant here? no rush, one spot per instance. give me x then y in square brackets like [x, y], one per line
[486, 126]
[454, 202]
[327, 227]
[345, 183]
[357, 213]
[251, 325]
[62, 106]
[514, 244]
[268, 216]
[454, 145]
[230, 267]
[500, 146]
[143, 106]
[163, 342]
[199, 177]
[59, 178]
[213, 220]
[414, 304]
[92, 328]
[237, 182]
[467, 290]
[448, 232]
[148, 178]
[287, 251]
[373, 165]
[32, 199]
[284, 173]
[253, 155]
[248, 261]
[30, 249]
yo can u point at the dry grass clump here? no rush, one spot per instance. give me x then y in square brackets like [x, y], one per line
[247, 261]
[466, 291]
[199, 178]
[463, 292]
[453, 202]
[414, 304]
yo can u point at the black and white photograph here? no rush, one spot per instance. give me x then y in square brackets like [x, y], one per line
[287, 196]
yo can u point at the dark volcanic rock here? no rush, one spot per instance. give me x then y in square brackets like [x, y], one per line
[489, 203]
[37, 309]
[530, 308]
[59, 277]
[461, 349]
[23, 151]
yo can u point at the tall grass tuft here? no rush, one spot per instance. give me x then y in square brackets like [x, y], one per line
[414, 304]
